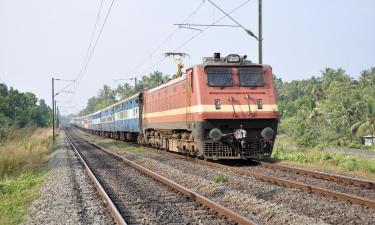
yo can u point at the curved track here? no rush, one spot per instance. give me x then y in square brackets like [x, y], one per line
[139, 196]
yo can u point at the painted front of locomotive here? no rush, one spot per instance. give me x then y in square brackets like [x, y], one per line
[234, 110]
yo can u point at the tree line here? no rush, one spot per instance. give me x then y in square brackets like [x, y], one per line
[18, 109]
[332, 108]
[108, 96]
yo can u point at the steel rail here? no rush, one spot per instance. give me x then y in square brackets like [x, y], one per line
[179, 188]
[310, 188]
[287, 183]
[280, 181]
[321, 175]
[114, 211]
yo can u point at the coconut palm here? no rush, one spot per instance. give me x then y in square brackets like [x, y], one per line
[368, 124]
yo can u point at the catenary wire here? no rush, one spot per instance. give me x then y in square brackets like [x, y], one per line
[92, 51]
[167, 38]
[193, 37]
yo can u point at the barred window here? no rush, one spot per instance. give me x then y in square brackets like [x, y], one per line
[251, 76]
[219, 76]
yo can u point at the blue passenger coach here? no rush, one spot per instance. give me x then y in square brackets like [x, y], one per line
[121, 120]
[126, 118]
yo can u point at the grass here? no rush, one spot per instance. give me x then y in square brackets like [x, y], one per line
[124, 146]
[16, 194]
[24, 150]
[23, 154]
[219, 178]
[316, 158]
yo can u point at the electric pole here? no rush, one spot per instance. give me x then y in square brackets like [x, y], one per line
[260, 35]
[55, 112]
[58, 117]
[53, 109]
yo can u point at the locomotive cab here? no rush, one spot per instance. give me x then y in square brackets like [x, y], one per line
[233, 111]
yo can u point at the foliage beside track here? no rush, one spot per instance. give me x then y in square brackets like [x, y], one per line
[24, 150]
[316, 157]
[23, 154]
[107, 96]
[125, 146]
[16, 194]
[331, 109]
[18, 109]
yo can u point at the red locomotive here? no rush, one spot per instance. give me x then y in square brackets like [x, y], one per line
[224, 108]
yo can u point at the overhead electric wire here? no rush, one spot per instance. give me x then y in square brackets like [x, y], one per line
[195, 36]
[92, 35]
[167, 38]
[225, 13]
[96, 41]
[87, 62]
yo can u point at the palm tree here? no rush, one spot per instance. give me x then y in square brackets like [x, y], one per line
[368, 124]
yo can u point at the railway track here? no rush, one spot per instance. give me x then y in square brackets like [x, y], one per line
[350, 190]
[136, 195]
[321, 175]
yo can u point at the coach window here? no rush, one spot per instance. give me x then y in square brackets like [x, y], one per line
[183, 86]
[219, 77]
[174, 88]
[166, 91]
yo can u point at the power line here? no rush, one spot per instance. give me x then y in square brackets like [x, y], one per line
[196, 35]
[167, 38]
[87, 62]
[92, 35]
[96, 41]
[225, 13]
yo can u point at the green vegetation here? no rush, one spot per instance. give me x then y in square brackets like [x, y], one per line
[16, 194]
[125, 146]
[219, 178]
[18, 109]
[331, 110]
[24, 150]
[107, 96]
[23, 153]
[287, 150]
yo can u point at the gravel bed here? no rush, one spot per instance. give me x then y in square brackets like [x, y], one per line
[348, 189]
[67, 196]
[141, 199]
[253, 197]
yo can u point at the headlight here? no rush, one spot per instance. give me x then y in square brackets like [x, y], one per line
[215, 134]
[233, 58]
[267, 133]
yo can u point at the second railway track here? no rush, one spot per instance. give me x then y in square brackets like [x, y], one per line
[141, 197]
[357, 191]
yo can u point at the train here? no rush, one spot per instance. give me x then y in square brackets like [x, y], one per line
[223, 108]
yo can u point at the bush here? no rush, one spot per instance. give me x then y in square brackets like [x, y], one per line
[23, 150]
[218, 178]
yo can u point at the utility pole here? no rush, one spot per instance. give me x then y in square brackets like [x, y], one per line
[58, 117]
[53, 109]
[55, 112]
[260, 35]
[135, 82]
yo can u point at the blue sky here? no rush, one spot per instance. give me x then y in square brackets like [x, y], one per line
[44, 38]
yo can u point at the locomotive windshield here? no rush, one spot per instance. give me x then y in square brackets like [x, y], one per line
[251, 76]
[219, 76]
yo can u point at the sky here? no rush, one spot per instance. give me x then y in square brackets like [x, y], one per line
[41, 39]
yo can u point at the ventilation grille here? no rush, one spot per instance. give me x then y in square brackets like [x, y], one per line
[253, 150]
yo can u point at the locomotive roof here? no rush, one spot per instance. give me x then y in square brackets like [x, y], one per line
[173, 81]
